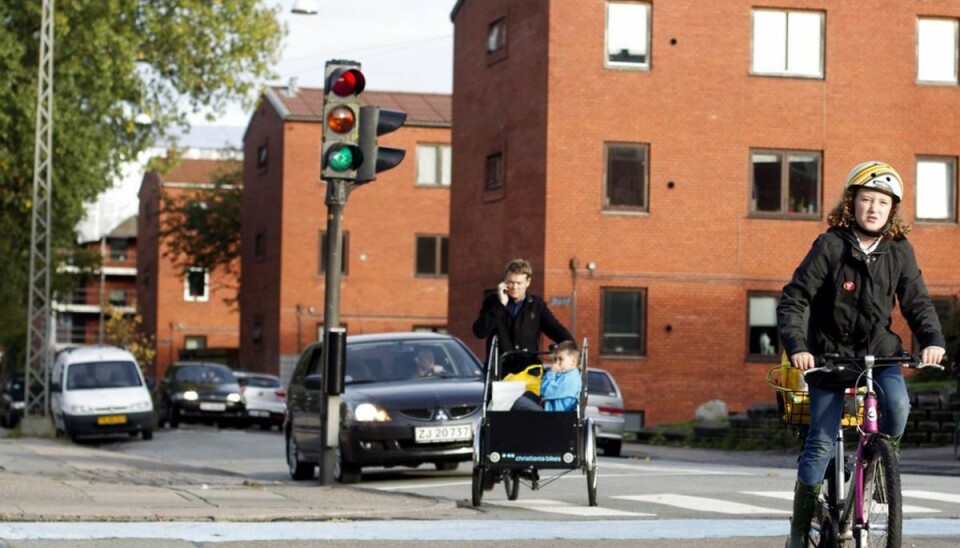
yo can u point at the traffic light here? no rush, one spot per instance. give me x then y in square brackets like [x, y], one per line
[340, 153]
[375, 121]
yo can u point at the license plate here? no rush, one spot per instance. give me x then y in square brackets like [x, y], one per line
[112, 419]
[437, 434]
[208, 406]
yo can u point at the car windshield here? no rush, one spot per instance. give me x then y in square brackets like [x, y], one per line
[97, 375]
[204, 374]
[409, 359]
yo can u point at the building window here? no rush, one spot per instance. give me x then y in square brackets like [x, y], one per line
[257, 329]
[787, 43]
[117, 297]
[118, 249]
[497, 35]
[937, 51]
[343, 256]
[259, 244]
[936, 189]
[196, 285]
[763, 337]
[623, 331]
[430, 328]
[626, 177]
[262, 155]
[431, 257]
[785, 183]
[494, 178]
[433, 165]
[628, 34]
[197, 216]
[194, 342]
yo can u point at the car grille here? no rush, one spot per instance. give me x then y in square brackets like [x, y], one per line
[425, 414]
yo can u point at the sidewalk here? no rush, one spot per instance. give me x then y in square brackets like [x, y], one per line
[55, 480]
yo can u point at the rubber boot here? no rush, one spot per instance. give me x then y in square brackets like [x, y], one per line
[804, 503]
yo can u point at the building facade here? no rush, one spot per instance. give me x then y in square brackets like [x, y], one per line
[394, 270]
[192, 315]
[665, 165]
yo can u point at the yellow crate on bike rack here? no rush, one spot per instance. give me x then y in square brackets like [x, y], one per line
[793, 400]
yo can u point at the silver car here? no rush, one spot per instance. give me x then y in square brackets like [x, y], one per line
[266, 398]
[605, 407]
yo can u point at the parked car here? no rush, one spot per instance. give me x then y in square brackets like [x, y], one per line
[266, 398]
[390, 416]
[199, 392]
[99, 391]
[605, 407]
[11, 401]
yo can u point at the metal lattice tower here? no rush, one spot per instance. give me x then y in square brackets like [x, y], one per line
[39, 319]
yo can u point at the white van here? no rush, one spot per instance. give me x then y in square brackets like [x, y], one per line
[99, 391]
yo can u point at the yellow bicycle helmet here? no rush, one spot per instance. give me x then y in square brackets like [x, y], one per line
[876, 176]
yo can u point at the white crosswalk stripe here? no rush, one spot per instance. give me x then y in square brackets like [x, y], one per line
[932, 495]
[702, 504]
[557, 507]
[907, 508]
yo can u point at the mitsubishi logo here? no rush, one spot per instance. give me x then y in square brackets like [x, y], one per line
[441, 416]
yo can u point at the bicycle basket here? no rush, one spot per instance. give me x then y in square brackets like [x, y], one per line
[793, 400]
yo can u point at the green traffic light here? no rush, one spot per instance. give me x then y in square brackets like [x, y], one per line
[340, 160]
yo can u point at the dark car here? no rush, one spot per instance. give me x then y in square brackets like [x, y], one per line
[199, 392]
[394, 412]
[11, 401]
[265, 397]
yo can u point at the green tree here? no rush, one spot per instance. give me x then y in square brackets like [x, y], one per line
[127, 332]
[201, 228]
[113, 59]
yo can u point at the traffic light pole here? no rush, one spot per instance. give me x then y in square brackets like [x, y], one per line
[336, 200]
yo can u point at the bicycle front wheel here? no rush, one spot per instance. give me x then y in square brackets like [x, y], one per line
[882, 502]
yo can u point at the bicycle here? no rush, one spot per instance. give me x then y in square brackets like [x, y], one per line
[870, 514]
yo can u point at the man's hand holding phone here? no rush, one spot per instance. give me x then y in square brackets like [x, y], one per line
[502, 293]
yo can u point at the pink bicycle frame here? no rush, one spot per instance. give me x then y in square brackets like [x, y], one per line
[870, 426]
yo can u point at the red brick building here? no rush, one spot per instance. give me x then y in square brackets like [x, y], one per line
[188, 316]
[82, 314]
[665, 165]
[396, 228]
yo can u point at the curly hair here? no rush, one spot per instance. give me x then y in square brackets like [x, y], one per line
[842, 216]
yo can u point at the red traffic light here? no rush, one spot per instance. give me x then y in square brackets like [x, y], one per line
[346, 81]
[341, 119]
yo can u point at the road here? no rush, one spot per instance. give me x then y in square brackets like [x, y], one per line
[733, 499]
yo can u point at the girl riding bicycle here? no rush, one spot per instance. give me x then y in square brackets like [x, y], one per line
[849, 282]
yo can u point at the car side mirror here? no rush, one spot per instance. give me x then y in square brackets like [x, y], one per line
[314, 382]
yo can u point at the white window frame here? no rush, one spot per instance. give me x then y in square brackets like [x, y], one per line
[206, 286]
[619, 27]
[781, 44]
[937, 47]
[936, 189]
[434, 164]
[762, 313]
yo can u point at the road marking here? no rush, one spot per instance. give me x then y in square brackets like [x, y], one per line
[932, 495]
[907, 508]
[672, 470]
[557, 507]
[702, 504]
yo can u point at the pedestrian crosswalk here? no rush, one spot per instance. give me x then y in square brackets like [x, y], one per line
[652, 505]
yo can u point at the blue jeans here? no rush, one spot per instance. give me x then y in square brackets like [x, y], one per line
[826, 410]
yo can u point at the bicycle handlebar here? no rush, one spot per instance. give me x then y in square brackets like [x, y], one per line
[834, 363]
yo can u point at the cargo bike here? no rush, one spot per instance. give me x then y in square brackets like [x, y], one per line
[515, 447]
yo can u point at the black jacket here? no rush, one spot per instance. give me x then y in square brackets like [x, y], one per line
[521, 333]
[851, 297]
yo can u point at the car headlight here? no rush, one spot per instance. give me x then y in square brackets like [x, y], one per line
[81, 409]
[190, 395]
[368, 412]
[234, 397]
[140, 405]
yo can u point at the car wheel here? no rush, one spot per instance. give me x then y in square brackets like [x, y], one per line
[299, 470]
[147, 433]
[4, 421]
[612, 448]
[172, 417]
[345, 472]
[446, 466]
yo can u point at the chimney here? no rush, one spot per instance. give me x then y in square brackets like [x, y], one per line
[292, 88]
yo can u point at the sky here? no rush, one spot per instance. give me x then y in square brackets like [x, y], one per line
[402, 45]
